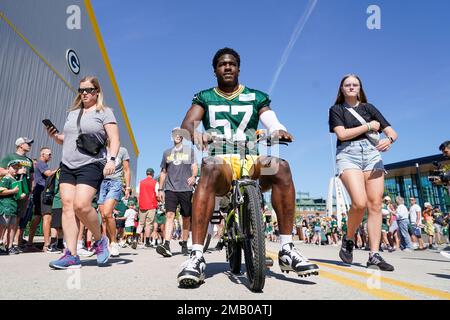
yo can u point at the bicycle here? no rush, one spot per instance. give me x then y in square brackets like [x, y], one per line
[244, 225]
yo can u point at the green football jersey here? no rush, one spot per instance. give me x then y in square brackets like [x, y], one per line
[233, 117]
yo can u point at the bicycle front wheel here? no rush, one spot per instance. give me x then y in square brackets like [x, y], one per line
[254, 240]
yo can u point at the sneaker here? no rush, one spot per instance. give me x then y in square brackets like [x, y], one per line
[4, 251]
[148, 245]
[164, 250]
[101, 250]
[292, 260]
[193, 272]
[114, 249]
[431, 247]
[14, 250]
[84, 252]
[378, 261]
[52, 249]
[346, 252]
[184, 248]
[67, 261]
[407, 250]
[134, 244]
[445, 254]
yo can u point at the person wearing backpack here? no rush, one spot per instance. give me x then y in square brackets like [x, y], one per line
[41, 210]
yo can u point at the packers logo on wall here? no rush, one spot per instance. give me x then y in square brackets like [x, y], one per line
[72, 61]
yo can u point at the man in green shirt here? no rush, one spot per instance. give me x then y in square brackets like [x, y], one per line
[25, 173]
[233, 111]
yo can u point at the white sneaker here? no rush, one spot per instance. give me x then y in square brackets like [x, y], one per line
[83, 252]
[114, 251]
[445, 254]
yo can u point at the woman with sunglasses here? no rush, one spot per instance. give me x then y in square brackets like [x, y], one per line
[359, 164]
[82, 170]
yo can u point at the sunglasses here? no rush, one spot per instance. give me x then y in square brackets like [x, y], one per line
[87, 90]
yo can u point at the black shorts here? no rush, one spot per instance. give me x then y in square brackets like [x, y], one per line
[56, 218]
[120, 224]
[90, 174]
[184, 199]
[39, 206]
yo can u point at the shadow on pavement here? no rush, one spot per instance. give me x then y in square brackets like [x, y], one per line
[111, 261]
[438, 275]
[443, 260]
[241, 279]
[338, 263]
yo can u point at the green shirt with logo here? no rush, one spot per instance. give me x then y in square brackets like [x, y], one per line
[234, 117]
[8, 204]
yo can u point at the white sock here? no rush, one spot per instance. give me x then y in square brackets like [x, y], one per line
[79, 244]
[198, 249]
[285, 239]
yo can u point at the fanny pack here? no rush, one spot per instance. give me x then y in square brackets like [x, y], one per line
[88, 142]
[372, 136]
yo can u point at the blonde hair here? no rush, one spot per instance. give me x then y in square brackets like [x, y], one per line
[77, 103]
[340, 99]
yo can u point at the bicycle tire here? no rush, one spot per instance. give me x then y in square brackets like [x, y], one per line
[234, 248]
[254, 238]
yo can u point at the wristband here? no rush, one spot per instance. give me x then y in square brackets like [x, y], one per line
[369, 128]
[391, 139]
[160, 189]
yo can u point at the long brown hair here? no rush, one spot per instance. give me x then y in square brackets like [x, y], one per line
[340, 99]
[77, 103]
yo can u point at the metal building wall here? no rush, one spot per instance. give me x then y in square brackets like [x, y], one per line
[35, 81]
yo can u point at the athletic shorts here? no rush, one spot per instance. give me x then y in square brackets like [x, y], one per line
[57, 218]
[129, 230]
[40, 208]
[8, 220]
[360, 154]
[90, 174]
[120, 224]
[110, 189]
[160, 218]
[146, 218]
[184, 199]
[429, 228]
[22, 205]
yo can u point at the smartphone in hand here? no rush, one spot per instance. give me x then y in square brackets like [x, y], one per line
[49, 125]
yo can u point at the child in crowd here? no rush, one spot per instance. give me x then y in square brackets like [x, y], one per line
[10, 192]
[130, 216]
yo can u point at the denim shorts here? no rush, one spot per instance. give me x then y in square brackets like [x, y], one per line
[110, 189]
[360, 154]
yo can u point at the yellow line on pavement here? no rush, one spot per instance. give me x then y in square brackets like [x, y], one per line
[378, 293]
[398, 283]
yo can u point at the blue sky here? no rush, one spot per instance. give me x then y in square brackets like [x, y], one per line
[161, 54]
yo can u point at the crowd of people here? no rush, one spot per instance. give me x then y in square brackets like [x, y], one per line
[422, 231]
[87, 207]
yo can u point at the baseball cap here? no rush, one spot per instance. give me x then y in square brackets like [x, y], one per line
[427, 204]
[150, 171]
[15, 162]
[23, 140]
[387, 198]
